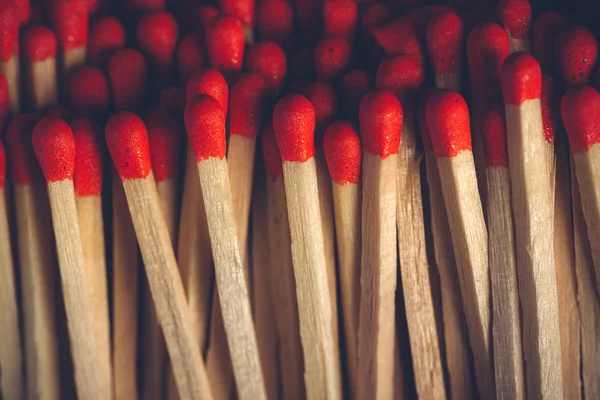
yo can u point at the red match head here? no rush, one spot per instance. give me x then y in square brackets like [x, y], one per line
[88, 92]
[270, 151]
[374, 14]
[343, 152]
[191, 56]
[354, 86]
[324, 100]
[106, 36]
[164, 134]
[576, 52]
[89, 157]
[243, 10]
[203, 15]
[445, 41]
[447, 118]
[172, 99]
[294, 126]
[332, 57]
[521, 79]
[580, 108]
[4, 101]
[38, 44]
[157, 34]
[9, 29]
[275, 22]
[543, 35]
[205, 126]
[516, 17]
[401, 76]
[69, 19]
[24, 8]
[211, 83]
[401, 37]
[54, 146]
[128, 144]
[127, 72]
[248, 103]
[268, 60]
[23, 164]
[380, 115]
[225, 44]
[487, 48]
[340, 18]
[550, 100]
[493, 134]
[2, 164]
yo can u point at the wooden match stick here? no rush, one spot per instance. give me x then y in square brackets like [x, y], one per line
[39, 53]
[449, 126]
[445, 42]
[11, 365]
[127, 72]
[9, 55]
[37, 262]
[54, 147]
[506, 330]
[205, 125]
[294, 125]
[106, 36]
[532, 171]
[283, 284]
[515, 16]
[380, 117]
[128, 145]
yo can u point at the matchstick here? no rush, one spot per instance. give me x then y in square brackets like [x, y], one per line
[128, 145]
[515, 16]
[127, 73]
[9, 55]
[106, 36]
[54, 147]
[269, 61]
[576, 53]
[283, 284]
[332, 58]
[88, 92]
[225, 45]
[506, 325]
[275, 22]
[39, 54]
[243, 10]
[340, 18]
[10, 347]
[380, 117]
[36, 260]
[294, 125]
[449, 126]
[205, 125]
[445, 42]
[87, 181]
[157, 33]
[531, 168]
[191, 56]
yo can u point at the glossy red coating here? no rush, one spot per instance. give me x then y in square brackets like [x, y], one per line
[343, 152]
[225, 44]
[157, 34]
[89, 157]
[294, 126]
[550, 100]
[211, 83]
[515, 16]
[447, 118]
[332, 57]
[88, 92]
[324, 100]
[24, 8]
[38, 43]
[268, 60]
[243, 10]
[543, 35]
[106, 36]
[521, 79]
[247, 105]
[191, 56]
[275, 21]
[127, 72]
[127, 140]
[401, 76]
[445, 42]
[164, 134]
[23, 164]
[493, 134]
[54, 146]
[576, 53]
[380, 116]
[273, 165]
[340, 18]
[580, 108]
[9, 29]
[69, 19]
[205, 126]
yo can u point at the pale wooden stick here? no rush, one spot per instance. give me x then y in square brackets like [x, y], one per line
[10, 70]
[218, 360]
[42, 88]
[448, 80]
[517, 45]
[72, 59]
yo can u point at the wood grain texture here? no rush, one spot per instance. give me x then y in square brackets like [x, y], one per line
[470, 242]
[11, 71]
[322, 368]
[166, 288]
[531, 172]
[506, 330]
[41, 84]
[376, 335]
[11, 359]
[90, 381]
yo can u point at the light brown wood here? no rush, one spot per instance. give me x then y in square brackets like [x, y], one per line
[90, 381]
[517, 45]
[283, 286]
[531, 174]
[377, 330]
[38, 291]
[10, 70]
[589, 301]
[125, 297]
[231, 283]
[470, 242]
[458, 361]
[448, 81]
[166, 288]
[70, 61]
[322, 368]
[41, 79]
[11, 360]
[91, 227]
[218, 360]
[478, 156]
[506, 330]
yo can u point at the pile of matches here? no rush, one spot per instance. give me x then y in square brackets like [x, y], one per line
[293, 199]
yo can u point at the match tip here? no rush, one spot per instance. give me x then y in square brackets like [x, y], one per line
[324, 99]
[157, 34]
[401, 76]
[88, 91]
[521, 79]
[341, 144]
[211, 83]
[550, 107]
[2, 164]
[127, 71]
[487, 48]
[106, 35]
[23, 163]
[576, 52]
[225, 43]
[190, 56]
[54, 146]
[89, 160]
[543, 35]
[38, 43]
[269, 61]
[332, 57]
[164, 134]
[270, 151]
[248, 101]
[69, 20]
[294, 126]
[127, 140]
[515, 16]
[445, 38]
[9, 26]
[493, 133]
[380, 116]
[580, 108]
[205, 126]
[447, 118]
[340, 17]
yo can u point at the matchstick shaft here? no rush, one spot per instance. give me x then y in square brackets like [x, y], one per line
[517, 45]
[70, 60]
[42, 88]
[10, 70]
[448, 81]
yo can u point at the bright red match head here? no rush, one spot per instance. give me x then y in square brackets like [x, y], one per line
[380, 115]
[580, 108]
[248, 103]
[54, 146]
[127, 140]
[516, 17]
[343, 152]
[270, 151]
[521, 79]
[191, 56]
[106, 36]
[157, 34]
[294, 126]
[89, 157]
[324, 100]
[268, 60]
[332, 57]
[401, 76]
[275, 21]
[550, 100]
[225, 44]
[340, 18]
[543, 35]
[401, 37]
[23, 163]
[243, 10]
[576, 52]
[4, 100]
[447, 118]
[205, 126]
[38, 44]
[164, 134]
[9, 29]
[445, 41]
[88, 92]
[69, 19]
[211, 83]
[24, 8]
[493, 134]
[354, 86]
[127, 71]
